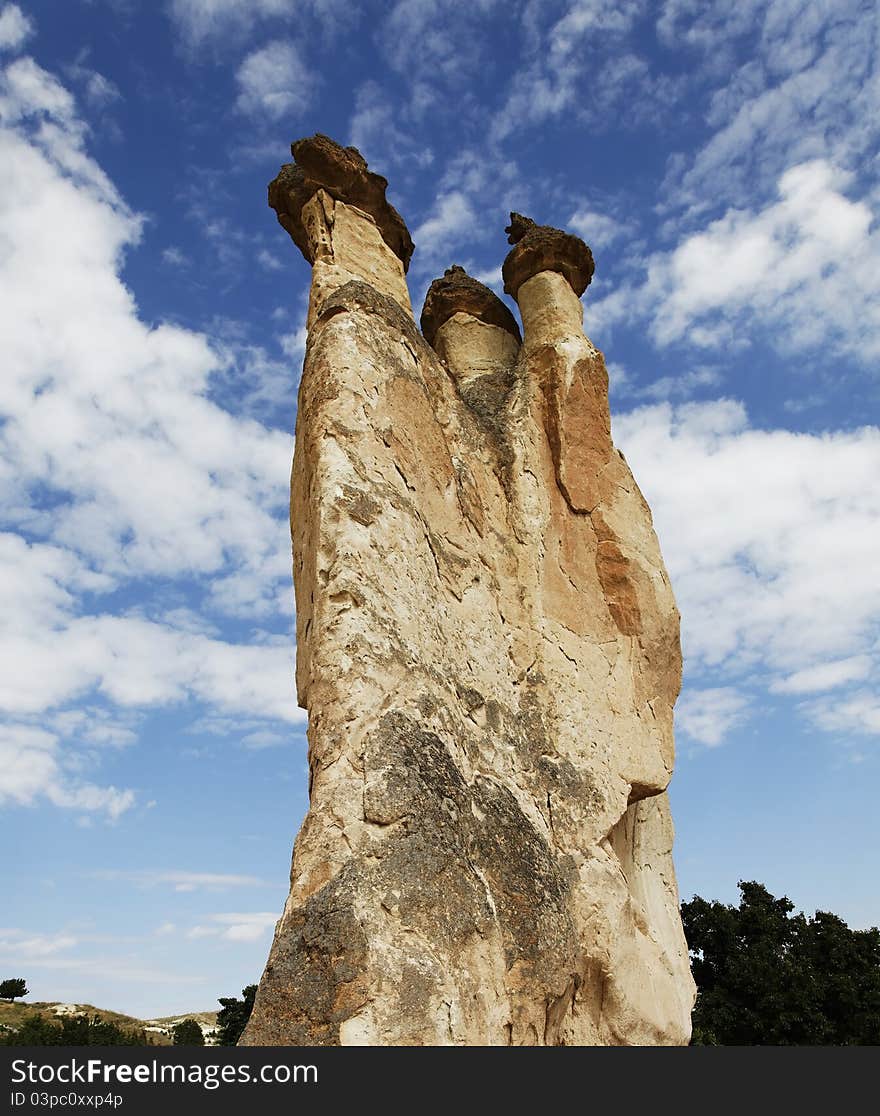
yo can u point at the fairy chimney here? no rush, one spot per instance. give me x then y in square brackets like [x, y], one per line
[488, 650]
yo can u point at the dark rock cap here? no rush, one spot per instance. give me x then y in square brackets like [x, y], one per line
[457, 292]
[321, 164]
[542, 248]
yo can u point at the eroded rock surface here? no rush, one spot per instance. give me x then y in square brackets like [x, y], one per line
[488, 647]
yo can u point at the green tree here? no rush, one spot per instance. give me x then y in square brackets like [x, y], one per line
[12, 989]
[73, 1030]
[233, 1016]
[768, 976]
[187, 1033]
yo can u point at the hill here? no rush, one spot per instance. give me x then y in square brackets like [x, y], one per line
[158, 1031]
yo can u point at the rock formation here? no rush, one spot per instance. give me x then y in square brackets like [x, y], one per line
[488, 648]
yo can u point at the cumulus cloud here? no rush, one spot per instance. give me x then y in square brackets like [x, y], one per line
[858, 712]
[452, 219]
[771, 539]
[707, 716]
[806, 264]
[826, 676]
[15, 27]
[31, 769]
[53, 655]
[597, 229]
[274, 81]
[806, 268]
[115, 464]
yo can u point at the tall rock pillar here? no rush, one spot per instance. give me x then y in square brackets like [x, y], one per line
[487, 645]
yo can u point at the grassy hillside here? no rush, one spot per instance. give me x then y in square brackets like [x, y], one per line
[158, 1031]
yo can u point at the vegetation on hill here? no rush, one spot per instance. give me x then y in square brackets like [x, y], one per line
[13, 989]
[768, 977]
[187, 1033]
[233, 1016]
[156, 1032]
[71, 1030]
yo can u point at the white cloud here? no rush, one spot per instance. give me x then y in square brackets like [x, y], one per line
[709, 715]
[274, 81]
[104, 968]
[200, 20]
[175, 257]
[247, 927]
[375, 130]
[30, 769]
[680, 386]
[26, 89]
[121, 424]
[31, 947]
[236, 927]
[179, 880]
[703, 24]
[266, 260]
[451, 221]
[826, 676]
[771, 539]
[856, 713]
[263, 738]
[203, 19]
[806, 263]
[53, 656]
[806, 267]
[539, 92]
[293, 344]
[593, 17]
[432, 42]
[97, 726]
[785, 82]
[15, 27]
[99, 91]
[196, 932]
[584, 66]
[115, 464]
[597, 229]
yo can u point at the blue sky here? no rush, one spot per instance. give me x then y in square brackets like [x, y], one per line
[721, 160]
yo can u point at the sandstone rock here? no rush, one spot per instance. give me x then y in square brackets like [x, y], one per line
[343, 174]
[542, 248]
[488, 648]
[458, 293]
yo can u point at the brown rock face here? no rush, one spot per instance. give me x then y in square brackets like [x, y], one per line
[542, 248]
[457, 293]
[487, 644]
[342, 172]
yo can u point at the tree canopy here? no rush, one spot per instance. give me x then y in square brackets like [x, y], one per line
[766, 976]
[187, 1033]
[12, 989]
[233, 1016]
